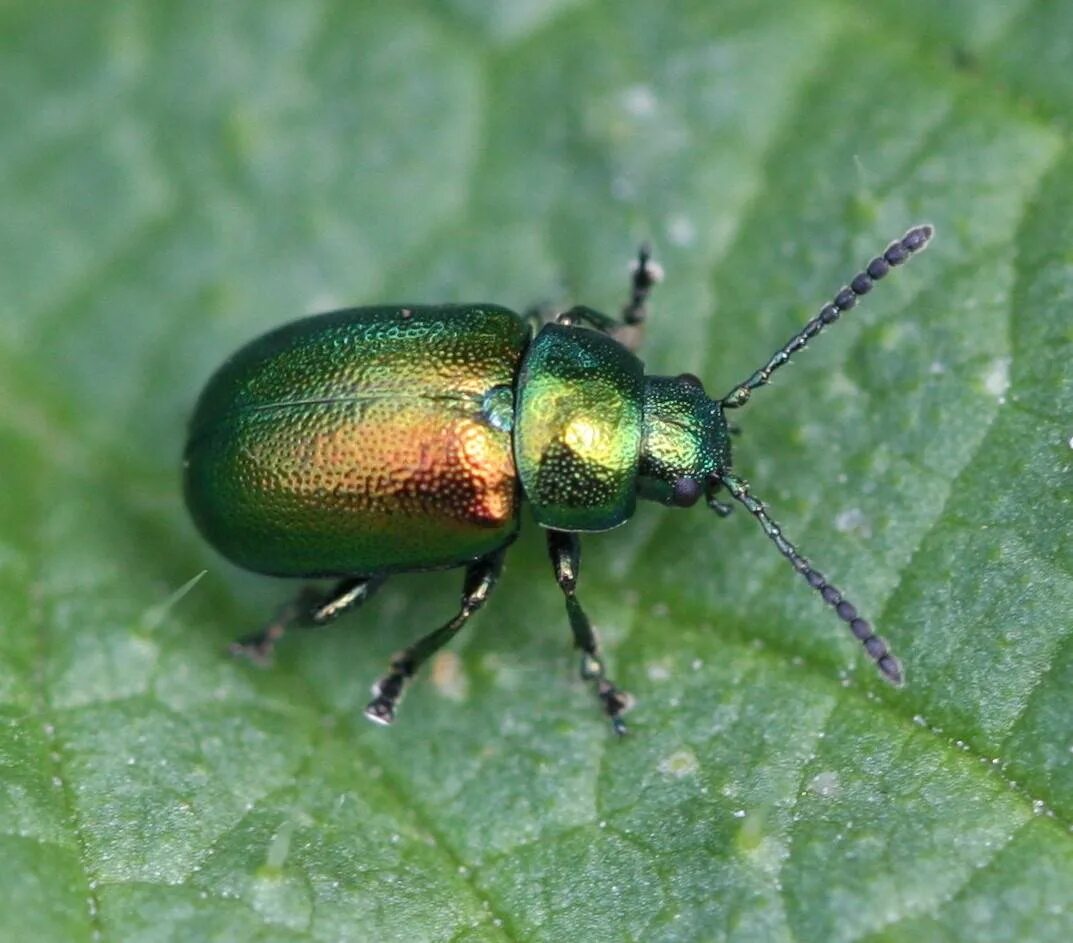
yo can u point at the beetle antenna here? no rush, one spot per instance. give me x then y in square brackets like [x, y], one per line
[847, 612]
[897, 253]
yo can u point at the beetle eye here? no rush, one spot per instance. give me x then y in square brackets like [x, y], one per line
[691, 379]
[686, 492]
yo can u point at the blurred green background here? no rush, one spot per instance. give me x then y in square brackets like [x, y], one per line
[177, 178]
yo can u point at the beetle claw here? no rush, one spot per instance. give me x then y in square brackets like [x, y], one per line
[616, 703]
[259, 647]
[386, 694]
[256, 650]
[381, 711]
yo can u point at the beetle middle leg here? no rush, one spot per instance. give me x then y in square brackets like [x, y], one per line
[312, 608]
[481, 577]
[565, 551]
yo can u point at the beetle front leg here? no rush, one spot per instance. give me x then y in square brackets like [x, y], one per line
[480, 579]
[646, 273]
[565, 551]
[597, 320]
[311, 608]
[629, 330]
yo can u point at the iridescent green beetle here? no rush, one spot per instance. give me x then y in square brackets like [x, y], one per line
[381, 440]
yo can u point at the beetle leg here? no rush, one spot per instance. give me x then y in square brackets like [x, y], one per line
[580, 314]
[646, 272]
[722, 508]
[629, 330]
[481, 577]
[310, 608]
[565, 551]
[628, 335]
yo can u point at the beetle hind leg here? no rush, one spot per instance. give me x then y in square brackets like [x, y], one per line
[481, 577]
[565, 551]
[311, 608]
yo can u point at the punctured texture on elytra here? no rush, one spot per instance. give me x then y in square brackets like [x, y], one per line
[361, 442]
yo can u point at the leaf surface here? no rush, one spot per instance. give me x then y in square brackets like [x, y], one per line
[175, 182]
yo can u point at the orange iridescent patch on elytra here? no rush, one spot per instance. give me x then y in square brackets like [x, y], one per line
[489, 466]
[360, 470]
[412, 456]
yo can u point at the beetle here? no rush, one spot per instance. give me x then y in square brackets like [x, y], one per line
[378, 440]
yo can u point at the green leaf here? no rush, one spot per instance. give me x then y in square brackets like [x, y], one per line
[176, 180]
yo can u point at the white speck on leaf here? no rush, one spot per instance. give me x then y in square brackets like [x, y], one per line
[679, 764]
[658, 671]
[279, 847]
[997, 377]
[681, 231]
[853, 521]
[825, 785]
[640, 101]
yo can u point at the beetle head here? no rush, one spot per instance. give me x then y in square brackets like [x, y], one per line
[686, 448]
[685, 443]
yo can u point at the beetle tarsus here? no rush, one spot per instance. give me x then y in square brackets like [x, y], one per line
[645, 273]
[615, 703]
[254, 648]
[564, 548]
[388, 691]
[481, 577]
[381, 711]
[310, 609]
[260, 646]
